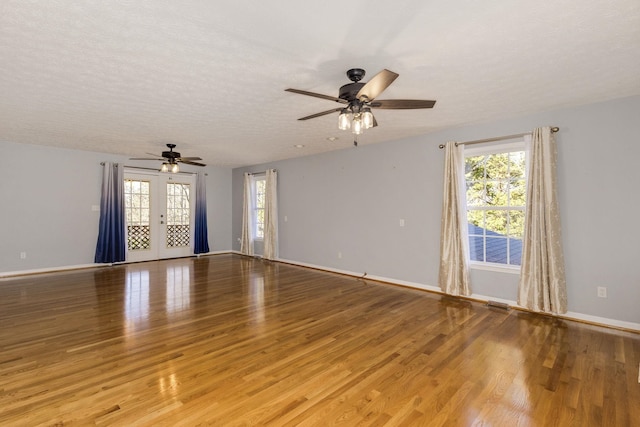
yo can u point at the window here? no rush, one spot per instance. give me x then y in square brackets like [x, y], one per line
[259, 189]
[495, 192]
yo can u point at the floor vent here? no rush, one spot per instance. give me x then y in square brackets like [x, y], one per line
[496, 304]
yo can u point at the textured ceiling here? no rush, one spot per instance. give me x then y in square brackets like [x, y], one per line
[127, 77]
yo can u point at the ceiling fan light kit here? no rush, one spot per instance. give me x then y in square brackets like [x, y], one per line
[170, 160]
[359, 97]
[357, 121]
[169, 167]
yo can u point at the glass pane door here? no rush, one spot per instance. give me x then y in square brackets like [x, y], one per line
[140, 216]
[177, 206]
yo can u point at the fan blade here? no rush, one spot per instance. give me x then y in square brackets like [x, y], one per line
[189, 162]
[155, 155]
[402, 104]
[324, 113]
[142, 158]
[317, 95]
[376, 85]
[188, 158]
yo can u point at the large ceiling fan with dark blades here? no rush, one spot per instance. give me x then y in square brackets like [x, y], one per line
[359, 98]
[170, 159]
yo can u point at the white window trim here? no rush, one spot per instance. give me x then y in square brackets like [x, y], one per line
[492, 266]
[495, 148]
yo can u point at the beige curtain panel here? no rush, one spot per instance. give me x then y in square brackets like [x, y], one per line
[271, 215]
[454, 255]
[246, 242]
[542, 285]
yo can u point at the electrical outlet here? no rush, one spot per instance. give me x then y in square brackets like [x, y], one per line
[339, 255]
[23, 255]
[602, 292]
[402, 223]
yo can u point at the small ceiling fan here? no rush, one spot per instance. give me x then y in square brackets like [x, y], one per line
[171, 159]
[359, 98]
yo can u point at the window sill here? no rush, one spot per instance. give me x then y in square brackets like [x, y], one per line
[494, 267]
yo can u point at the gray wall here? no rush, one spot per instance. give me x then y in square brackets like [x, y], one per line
[351, 201]
[47, 194]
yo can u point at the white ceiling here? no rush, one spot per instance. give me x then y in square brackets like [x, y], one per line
[127, 77]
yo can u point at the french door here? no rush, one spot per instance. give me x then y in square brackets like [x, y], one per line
[159, 215]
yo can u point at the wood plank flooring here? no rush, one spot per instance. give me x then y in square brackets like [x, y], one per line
[232, 341]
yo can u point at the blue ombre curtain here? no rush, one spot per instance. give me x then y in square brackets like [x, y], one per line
[201, 234]
[111, 245]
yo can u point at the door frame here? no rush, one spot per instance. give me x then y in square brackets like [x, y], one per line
[158, 215]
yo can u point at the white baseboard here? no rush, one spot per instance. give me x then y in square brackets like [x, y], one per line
[603, 321]
[217, 253]
[5, 274]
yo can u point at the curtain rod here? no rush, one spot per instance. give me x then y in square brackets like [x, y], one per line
[153, 169]
[499, 138]
[261, 173]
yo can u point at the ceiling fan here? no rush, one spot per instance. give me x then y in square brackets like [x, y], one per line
[359, 98]
[171, 159]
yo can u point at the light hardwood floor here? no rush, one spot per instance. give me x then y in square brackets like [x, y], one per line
[228, 340]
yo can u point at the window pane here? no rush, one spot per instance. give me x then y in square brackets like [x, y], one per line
[476, 194]
[145, 218]
[517, 192]
[496, 193]
[515, 251]
[496, 223]
[516, 224]
[474, 168]
[476, 248]
[475, 218]
[496, 249]
[497, 166]
[260, 223]
[517, 163]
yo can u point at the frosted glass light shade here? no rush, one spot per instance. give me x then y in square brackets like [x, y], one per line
[356, 124]
[344, 120]
[367, 118]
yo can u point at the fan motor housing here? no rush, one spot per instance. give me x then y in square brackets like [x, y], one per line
[170, 154]
[349, 92]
